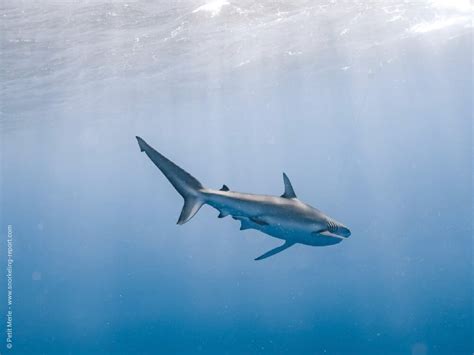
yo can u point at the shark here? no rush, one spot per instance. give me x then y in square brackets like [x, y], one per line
[284, 217]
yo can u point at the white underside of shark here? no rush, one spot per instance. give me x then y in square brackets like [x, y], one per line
[284, 217]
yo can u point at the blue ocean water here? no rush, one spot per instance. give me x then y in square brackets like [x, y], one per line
[367, 106]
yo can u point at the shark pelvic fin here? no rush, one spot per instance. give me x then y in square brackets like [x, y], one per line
[289, 192]
[245, 224]
[190, 208]
[276, 250]
[224, 188]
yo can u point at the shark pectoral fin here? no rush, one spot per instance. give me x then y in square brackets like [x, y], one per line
[190, 208]
[276, 250]
[259, 220]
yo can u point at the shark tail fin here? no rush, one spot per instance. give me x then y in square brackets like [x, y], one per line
[186, 185]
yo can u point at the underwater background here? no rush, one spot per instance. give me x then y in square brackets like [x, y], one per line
[366, 105]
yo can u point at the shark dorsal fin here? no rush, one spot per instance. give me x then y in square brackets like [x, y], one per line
[289, 192]
[224, 188]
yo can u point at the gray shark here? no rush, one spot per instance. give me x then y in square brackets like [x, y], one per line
[284, 217]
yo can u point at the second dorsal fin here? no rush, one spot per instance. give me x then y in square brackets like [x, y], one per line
[289, 192]
[224, 188]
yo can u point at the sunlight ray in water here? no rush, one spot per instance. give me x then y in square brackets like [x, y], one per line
[441, 23]
[213, 7]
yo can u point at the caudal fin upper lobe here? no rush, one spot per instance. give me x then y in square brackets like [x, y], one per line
[186, 185]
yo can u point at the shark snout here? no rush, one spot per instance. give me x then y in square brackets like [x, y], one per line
[343, 231]
[338, 229]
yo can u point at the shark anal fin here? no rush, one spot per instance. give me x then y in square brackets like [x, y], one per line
[223, 214]
[224, 188]
[276, 250]
[259, 221]
[289, 192]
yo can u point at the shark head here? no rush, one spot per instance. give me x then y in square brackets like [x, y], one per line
[327, 231]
